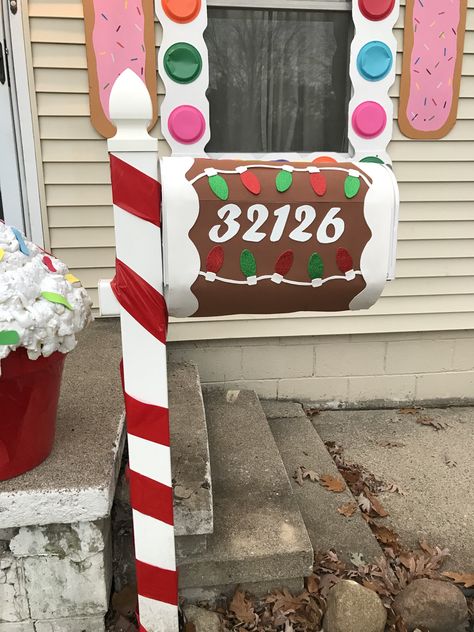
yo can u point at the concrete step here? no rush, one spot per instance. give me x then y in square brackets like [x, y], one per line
[300, 445]
[193, 515]
[259, 538]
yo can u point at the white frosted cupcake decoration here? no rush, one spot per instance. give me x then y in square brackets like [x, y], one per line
[42, 305]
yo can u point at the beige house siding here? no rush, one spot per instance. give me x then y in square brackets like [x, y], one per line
[435, 285]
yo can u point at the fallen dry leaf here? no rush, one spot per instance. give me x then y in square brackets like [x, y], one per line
[466, 579]
[242, 607]
[376, 505]
[312, 584]
[385, 535]
[414, 410]
[357, 559]
[331, 483]
[364, 503]
[284, 602]
[302, 473]
[429, 421]
[390, 444]
[348, 509]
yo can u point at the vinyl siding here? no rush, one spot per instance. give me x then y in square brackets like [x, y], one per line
[435, 284]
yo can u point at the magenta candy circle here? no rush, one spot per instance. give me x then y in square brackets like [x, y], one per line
[186, 124]
[369, 119]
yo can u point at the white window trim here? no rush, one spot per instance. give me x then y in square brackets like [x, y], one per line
[314, 5]
[31, 173]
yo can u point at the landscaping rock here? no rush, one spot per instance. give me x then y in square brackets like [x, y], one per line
[353, 608]
[204, 620]
[436, 605]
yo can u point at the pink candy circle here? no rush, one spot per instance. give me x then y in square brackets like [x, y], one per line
[186, 124]
[369, 119]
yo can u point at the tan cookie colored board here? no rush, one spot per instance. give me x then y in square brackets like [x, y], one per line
[432, 67]
[119, 35]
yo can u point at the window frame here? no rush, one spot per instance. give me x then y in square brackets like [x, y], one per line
[370, 98]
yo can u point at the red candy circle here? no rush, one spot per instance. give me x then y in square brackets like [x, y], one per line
[376, 10]
[181, 11]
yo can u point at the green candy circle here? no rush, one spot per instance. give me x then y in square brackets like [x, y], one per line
[182, 62]
[375, 159]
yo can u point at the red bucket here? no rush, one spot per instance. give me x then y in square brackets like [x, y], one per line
[29, 394]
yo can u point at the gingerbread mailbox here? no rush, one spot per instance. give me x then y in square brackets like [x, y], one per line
[260, 237]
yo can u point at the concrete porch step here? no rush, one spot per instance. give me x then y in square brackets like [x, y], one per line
[300, 445]
[259, 538]
[192, 487]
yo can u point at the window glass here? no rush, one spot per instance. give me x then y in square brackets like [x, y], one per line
[279, 79]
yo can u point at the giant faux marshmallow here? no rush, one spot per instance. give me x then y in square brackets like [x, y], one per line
[256, 237]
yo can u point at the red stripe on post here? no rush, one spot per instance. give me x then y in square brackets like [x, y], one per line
[157, 583]
[134, 191]
[147, 421]
[151, 498]
[145, 304]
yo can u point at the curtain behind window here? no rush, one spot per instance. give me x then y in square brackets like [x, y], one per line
[278, 80]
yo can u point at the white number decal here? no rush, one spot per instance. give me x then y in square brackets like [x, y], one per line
[331, 228]
[331, 220]
[229, 214]
[282, 217]
[252, 233]
[309, 214]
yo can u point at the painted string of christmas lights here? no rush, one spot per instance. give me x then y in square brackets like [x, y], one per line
[248, 266]
[283, 180]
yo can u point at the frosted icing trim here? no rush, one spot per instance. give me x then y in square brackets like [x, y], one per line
[177, 129]
[366, 89]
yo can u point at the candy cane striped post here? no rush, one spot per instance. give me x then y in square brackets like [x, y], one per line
[138, 287]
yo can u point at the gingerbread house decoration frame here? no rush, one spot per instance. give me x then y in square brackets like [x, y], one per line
[137, 291]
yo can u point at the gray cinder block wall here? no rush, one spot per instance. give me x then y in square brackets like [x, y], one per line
[351, 371]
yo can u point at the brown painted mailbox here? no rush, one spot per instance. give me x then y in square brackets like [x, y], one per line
[257, 237]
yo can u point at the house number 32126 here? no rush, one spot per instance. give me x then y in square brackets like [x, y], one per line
[329, 231]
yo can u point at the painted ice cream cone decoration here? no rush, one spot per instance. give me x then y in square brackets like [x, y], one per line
[43, 305]
[345, 264]
[41, 311]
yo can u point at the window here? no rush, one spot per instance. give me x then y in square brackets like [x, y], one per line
[279, 79]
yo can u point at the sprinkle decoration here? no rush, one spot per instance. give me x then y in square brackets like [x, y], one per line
[71, 278]
[319, 183]
[351, 186]
[250, 182]
[52, 297]
[21, 241]
[49, 264]
[9, 337]
[248, 265]
[219, 186]
[284, 180]
[2, 253]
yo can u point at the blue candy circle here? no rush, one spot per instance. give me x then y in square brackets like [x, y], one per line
[374, 61]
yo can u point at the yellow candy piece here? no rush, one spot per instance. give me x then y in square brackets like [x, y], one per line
[71, 278]
[2, 252]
